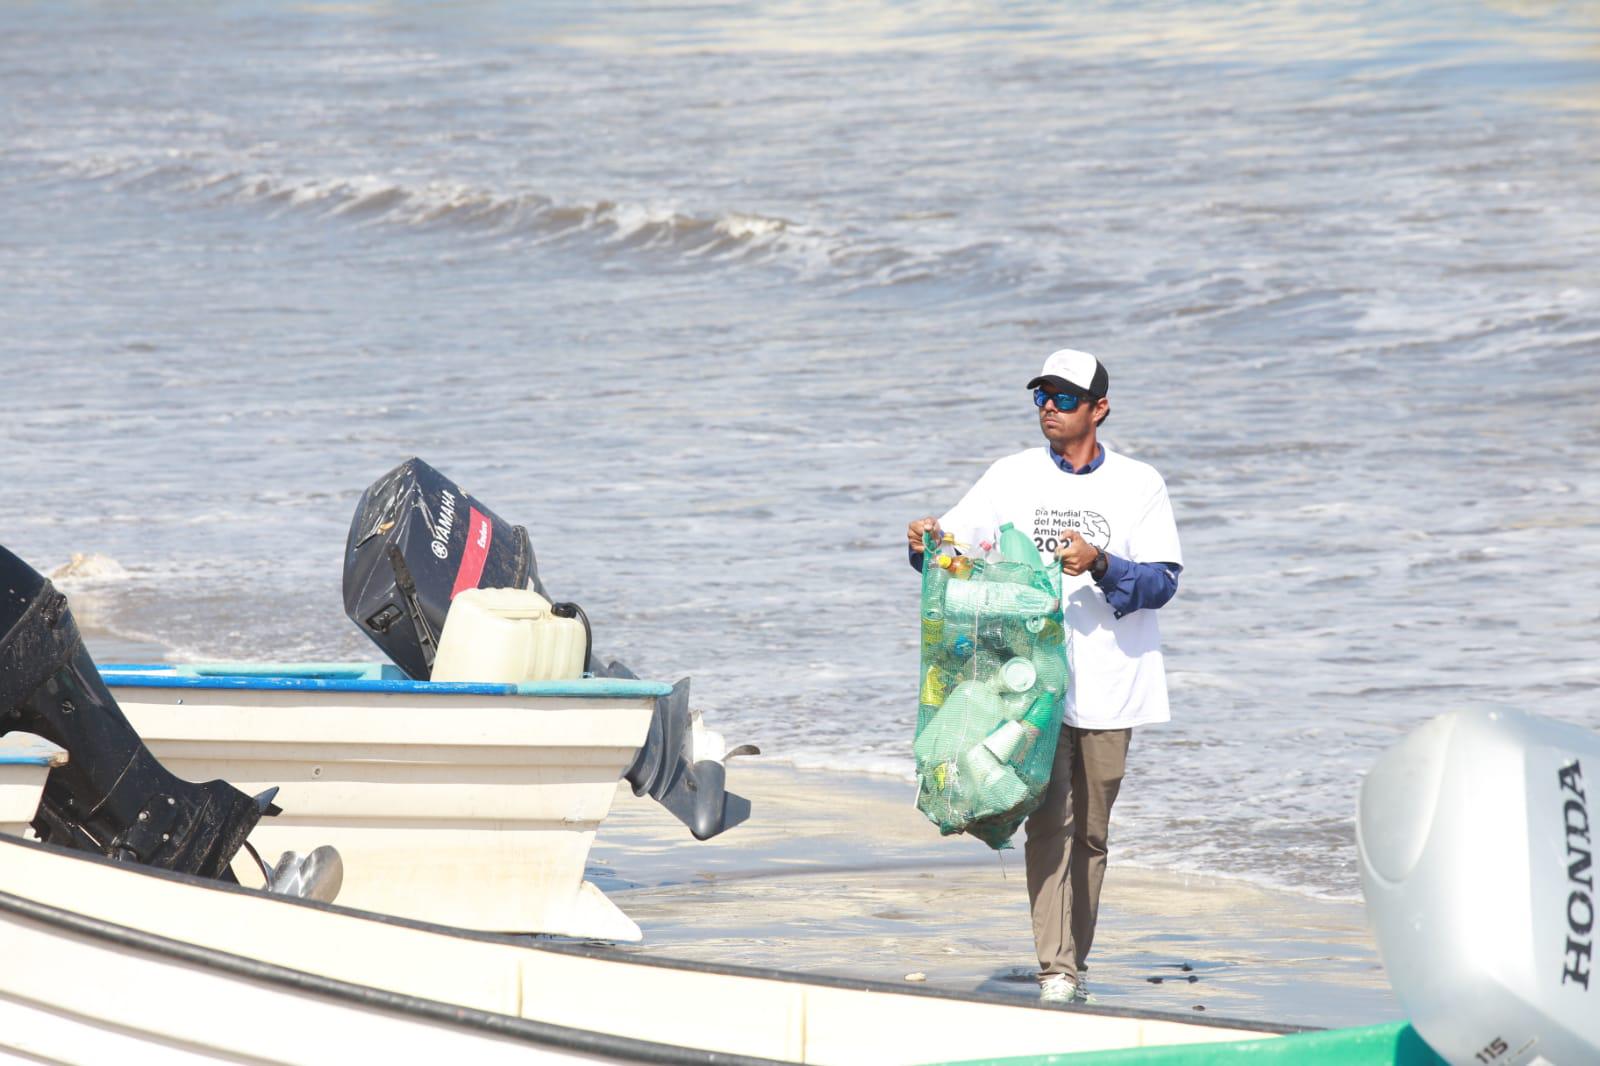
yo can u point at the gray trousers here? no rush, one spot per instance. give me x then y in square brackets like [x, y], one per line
[1065, 851]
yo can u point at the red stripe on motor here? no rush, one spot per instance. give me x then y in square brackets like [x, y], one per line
[480, 533]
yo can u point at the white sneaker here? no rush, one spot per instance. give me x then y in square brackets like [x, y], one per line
[1057, 988]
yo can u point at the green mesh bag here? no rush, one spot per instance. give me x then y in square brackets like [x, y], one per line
[994, 674]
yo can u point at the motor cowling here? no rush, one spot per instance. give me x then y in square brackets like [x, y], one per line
[416, 539]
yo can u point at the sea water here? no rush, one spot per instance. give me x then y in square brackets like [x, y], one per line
[715, 298]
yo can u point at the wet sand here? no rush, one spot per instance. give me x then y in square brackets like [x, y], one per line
[840, 874]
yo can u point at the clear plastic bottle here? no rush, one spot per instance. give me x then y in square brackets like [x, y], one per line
[969, 601]
[986, 668]
[1050, 669]
[1041, 714]
[1018, 547]
[991, 634]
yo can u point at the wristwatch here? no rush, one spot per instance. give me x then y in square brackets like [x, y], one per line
[1097, 569]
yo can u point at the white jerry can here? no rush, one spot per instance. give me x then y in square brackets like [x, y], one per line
[1476, 835]
[507, 636]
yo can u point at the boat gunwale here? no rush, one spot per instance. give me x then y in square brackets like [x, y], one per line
[601, 952]
[166, 675]
[43, 754]
[528, 1030]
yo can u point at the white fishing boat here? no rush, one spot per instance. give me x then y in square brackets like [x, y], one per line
[471, 805]
[469, 797]
[113, 962]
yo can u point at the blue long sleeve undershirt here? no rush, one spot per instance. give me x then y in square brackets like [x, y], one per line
[1131, 586]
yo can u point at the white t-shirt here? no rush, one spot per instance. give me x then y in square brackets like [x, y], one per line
[1121, 507]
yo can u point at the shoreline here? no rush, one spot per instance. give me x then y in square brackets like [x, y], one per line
[839, 874]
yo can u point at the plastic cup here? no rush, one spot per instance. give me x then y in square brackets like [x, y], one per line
[1009, 743]
[993, 787]
[1018, 675]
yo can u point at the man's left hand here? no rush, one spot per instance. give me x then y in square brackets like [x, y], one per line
[1075, 554]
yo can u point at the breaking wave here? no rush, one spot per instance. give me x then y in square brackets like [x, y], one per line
[656, 231]
[88, 566]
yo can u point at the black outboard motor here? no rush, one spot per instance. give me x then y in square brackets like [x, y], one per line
[112, 796]
[417, 539]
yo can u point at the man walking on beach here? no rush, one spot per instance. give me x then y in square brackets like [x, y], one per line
[1107, 518]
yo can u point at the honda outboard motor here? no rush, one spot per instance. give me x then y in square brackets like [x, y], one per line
[112, 796]
[1477, 838]
[417, 539]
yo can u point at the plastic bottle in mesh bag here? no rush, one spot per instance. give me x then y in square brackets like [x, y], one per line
[968, 601]
[933, 608]
[1017, 548]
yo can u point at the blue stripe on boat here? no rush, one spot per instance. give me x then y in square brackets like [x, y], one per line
[358, 677]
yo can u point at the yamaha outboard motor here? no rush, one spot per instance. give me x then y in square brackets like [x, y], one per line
[112, 796]
[417, 539]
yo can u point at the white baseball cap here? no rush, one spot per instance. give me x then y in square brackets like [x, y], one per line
[1068, 370]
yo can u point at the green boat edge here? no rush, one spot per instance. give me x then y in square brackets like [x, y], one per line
[1390, 1044]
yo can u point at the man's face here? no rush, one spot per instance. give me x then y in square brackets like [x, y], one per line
[1062, 428]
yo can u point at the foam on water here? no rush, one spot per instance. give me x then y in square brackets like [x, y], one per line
[85, 568]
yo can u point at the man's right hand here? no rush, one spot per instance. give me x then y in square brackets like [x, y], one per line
[915, 530]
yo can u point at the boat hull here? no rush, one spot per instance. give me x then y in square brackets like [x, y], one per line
[470, 805]
[112, 962]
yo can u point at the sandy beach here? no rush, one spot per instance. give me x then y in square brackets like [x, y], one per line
[840, 874]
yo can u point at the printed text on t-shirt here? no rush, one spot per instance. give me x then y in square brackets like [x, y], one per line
[1050, 525]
